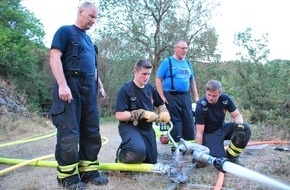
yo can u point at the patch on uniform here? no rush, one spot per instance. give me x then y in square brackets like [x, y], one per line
[204, 105]
[225, 102]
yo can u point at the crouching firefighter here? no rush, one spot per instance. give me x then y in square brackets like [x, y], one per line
[211, 129]
[134, 110]
[75, 110]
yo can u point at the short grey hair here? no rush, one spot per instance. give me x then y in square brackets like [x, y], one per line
[86, 5]
[213, 85]
[177, 42]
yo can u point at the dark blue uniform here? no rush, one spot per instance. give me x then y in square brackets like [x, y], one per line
[216, 130]
[138, 142]
[77, 123]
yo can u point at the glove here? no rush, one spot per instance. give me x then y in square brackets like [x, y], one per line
[139, 114]
[240, 133]
[164, 117]
[150, 116]
[163, 114]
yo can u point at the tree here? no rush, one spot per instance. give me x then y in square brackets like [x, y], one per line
[257, 50]
[21, 49]
[262, 83]
[148, 28]
[130, 30]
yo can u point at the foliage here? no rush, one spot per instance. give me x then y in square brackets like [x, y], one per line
[22, 52]
[261, 80]
[131, 30]
[256, 49]
[147, 29]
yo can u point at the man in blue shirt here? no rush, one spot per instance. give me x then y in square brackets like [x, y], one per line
[174, 81]
[211, 129]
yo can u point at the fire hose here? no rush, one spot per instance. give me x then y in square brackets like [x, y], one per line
[28, 162]
[174, 169]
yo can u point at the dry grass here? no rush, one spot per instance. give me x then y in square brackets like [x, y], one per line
[15, 127]
[269, 162]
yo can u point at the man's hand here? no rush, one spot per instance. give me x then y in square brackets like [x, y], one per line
[65, 93]
[150, 116]
[164, 117]
[101, 94]
[139, 114]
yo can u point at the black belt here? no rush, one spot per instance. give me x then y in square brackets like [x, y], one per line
[173, 92]
[81, 75]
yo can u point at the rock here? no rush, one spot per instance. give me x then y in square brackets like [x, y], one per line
[255, 150]
[9, 103]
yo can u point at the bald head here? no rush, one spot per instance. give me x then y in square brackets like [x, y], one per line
[87, 16]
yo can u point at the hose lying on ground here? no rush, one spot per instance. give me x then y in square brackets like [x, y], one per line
[35, 160]
[27, 140]
[102, 166]
[220, 179]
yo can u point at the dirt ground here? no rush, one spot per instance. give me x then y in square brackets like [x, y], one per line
[269, 162]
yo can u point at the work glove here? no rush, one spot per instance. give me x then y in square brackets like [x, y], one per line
[164, 115]
[150, 116]
[139, 114]
[240, 133]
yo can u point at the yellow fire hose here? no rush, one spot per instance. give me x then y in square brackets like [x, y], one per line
[33, 162]
[45, 163]
[22, 163]
[27, 140]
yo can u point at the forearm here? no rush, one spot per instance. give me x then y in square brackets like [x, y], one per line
[239, 119]
[194, 90]
[123, 116]
[57, 70]
[199, 133]
[199, 138]
[100, 84]
[97, 79]
[159, 88]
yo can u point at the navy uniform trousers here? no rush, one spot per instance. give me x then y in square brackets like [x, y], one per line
[77, 123]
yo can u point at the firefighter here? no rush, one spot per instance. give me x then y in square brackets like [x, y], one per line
[134, 110]
[75, 110]
[211, 128]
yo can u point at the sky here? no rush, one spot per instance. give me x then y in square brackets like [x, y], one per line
[263, 16]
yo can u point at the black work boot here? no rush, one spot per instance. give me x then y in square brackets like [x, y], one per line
[117, 155]
[235, 160]
[94, 177]
[71, 183]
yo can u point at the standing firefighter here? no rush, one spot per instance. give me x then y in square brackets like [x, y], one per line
[75, 110]
[175, 81]
[211, 129]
